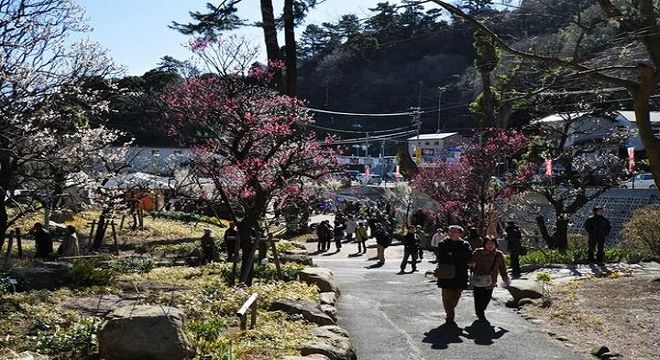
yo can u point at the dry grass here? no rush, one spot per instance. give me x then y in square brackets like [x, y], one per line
[620, 312]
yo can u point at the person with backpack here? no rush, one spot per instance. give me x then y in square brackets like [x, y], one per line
[486, 262]
[452, 270]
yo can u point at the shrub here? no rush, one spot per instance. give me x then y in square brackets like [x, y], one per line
[643, 228]
[132, 264]
[268, 272]
[188, 217]
[75, 342]
[85, 274]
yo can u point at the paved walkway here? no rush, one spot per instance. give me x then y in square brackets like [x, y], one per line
[400, 317]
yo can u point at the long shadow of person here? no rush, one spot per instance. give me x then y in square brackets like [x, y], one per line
[443, 335]
[374, 266]
[483, 333]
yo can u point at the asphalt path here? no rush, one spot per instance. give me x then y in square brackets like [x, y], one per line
[392, 316]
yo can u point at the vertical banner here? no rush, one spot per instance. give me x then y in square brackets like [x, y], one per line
[631, 160]
[367, 171]
[548, 167]
[418, 155]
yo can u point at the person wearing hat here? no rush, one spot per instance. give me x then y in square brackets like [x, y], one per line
[598, 228]
[453, 253]
[514, 246]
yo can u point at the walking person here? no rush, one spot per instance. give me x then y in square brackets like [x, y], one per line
[486, 262]
[361, 238]
[383, 240]
[598, 227]
[514, 246]
[453, 254]
[351, 226]
[423, 241]
[438, 236]
[410, 249]
[338, 234]
[320, 235]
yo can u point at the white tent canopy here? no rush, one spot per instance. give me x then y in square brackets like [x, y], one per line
[139, 180]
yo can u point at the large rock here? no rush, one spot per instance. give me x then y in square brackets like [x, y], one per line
[331, 341]
[50, 275]
[310, 311]
[303, 259]
[330, 310]
[521, 289]
[26, 355]
[321, 277]
[143, 332]
[328, 298]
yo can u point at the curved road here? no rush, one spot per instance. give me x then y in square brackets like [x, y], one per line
[400, 317]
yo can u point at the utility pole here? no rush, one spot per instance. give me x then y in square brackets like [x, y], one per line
[382, 159]
[417, 120]
[441, 89]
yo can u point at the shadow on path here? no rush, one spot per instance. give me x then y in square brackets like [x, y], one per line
[483, 333]
[443, 335]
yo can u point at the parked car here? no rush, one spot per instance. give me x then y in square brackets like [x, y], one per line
[641, 181]
[372, 179]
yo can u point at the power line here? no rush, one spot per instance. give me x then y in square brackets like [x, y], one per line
[357, 132]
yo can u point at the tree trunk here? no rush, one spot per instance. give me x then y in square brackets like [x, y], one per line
[543, 229]
[643, 121]
[561, 233]
[290, 48]
[3, 219]
[487, 100]
[100, 232]
[270, 37]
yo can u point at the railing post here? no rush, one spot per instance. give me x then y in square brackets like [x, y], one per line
[251, 305]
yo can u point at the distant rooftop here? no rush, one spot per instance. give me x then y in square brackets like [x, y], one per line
[434, 136]
[630, 115]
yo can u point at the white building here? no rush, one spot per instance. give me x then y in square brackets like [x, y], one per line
[433, 147]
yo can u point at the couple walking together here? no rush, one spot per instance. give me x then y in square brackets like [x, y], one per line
[455, 258]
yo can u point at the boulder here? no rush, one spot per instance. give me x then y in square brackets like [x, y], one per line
[310, 311]
[50, 276]
[521, 289]
[303, 259]
[27, 355]
[320, 277]
[331, 341]
[328, 298]
[598, 351]
[330, 310]
[143, 332]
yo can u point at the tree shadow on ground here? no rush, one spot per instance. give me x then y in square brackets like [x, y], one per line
[483, 333]
[443, 335]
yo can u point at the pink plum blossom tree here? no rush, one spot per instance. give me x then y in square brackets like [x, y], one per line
[253, 143]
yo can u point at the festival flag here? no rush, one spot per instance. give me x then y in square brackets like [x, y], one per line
[631, 160]
[548, 167]
[367, 171]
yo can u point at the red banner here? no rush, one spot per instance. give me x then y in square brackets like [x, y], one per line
[548, 167]
[631, 160]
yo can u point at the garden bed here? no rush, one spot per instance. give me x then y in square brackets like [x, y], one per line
[620, 312]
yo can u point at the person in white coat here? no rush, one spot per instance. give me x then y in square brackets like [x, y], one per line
[351, 226]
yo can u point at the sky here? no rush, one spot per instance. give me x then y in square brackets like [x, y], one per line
[136, 34]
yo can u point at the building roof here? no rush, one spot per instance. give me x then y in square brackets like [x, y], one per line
[434, 136]
[630, 115]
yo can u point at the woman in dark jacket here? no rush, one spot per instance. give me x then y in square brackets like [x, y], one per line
[453, 250]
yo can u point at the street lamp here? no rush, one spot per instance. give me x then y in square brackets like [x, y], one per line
[441, 89]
